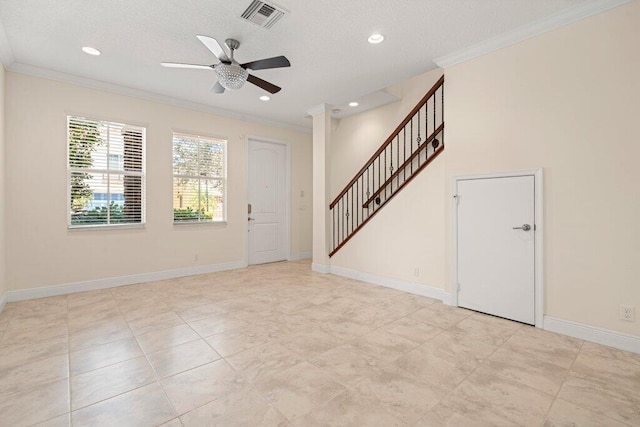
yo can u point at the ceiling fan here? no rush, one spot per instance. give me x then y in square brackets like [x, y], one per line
[231, 74]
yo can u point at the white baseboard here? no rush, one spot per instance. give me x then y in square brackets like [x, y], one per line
[320, 268]
[565, 327]
[111, 282]
[387, 282]
[594, 334]
[3, 301]
[301, 255]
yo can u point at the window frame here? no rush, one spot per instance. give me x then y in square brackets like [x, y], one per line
[199, 136]
[107, 172]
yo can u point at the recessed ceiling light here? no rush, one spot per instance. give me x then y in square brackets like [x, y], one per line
[264, 98]
[353, 104]
[91, 50]
[375, 38]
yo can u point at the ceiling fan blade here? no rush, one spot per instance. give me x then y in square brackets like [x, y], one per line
[180, 65]
[269, 87]
[217, 88]
[215, 48]
[263, 64]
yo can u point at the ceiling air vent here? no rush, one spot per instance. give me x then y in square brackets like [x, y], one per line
[263, 14]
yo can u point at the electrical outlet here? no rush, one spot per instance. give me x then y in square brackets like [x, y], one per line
[416, 271]
[627, 313]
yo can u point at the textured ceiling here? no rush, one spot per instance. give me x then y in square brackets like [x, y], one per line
[325, 40]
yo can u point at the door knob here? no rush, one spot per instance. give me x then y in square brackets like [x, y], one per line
[251, 219]
[525, 227]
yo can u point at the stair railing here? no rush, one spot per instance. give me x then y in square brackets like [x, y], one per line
[413, 145]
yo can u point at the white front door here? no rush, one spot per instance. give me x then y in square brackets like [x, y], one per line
[496, 246]
[267, 201]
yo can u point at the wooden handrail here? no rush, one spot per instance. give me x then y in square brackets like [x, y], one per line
[413, 175]
[404, 165]
[402, 124]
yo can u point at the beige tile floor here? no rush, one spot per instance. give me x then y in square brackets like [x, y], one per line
[279, 345]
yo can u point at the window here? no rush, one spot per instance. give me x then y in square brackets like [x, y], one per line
[199, 179]
[106, 173]
[116, 162]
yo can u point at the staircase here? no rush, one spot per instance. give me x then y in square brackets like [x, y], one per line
[412, 146]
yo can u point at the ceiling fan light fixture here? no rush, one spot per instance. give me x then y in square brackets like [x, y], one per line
[375, 38]
[353, 104]
[264, 98]
[231, 76]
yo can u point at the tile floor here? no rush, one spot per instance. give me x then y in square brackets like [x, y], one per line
[279, 345]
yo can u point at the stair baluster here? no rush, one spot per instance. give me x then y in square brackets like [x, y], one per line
[353, 207]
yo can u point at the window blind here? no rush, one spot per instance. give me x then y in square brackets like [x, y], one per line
[106, 173]
[199, 179]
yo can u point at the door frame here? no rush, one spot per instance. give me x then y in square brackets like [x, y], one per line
[538, 236]
[287, 184]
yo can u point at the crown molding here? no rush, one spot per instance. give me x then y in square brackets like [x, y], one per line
[557, 20]
[58, 76]
[6, 54]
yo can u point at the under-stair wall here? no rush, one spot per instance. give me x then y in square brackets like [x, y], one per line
[565, 101]
[404, 241]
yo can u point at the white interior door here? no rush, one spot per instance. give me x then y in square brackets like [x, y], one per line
[496, 246]
[268, 201]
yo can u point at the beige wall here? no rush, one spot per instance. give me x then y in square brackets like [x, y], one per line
[42, 251]
[567, 101]
[321, 191]
[3, 283]
[393, 244]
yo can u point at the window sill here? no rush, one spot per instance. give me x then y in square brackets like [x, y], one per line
[105, 227]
